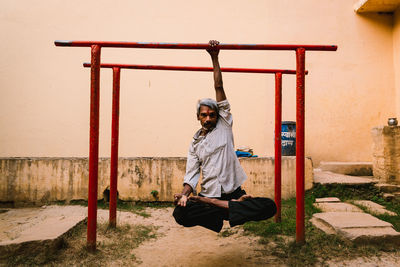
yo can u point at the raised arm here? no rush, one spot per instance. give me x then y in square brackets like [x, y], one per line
[218, 85]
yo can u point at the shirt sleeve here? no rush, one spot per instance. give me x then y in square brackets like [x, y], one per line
[224, 110]
[192, 170]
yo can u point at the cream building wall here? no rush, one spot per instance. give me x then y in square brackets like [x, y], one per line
[396, 58]
[44, 90]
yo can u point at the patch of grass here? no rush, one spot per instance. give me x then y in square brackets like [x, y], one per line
[122, 239]
[114, 246]
[121, 206]
[126, 206]
[227, 232]
[345, 192]
[269, 228]
[156, 204]
[319, 247]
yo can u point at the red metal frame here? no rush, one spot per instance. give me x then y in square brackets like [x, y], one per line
[94, 146]
[194, 46]
[190, 68]
[278, 144]
[114, 147]
[94, 117]
[115, 119]
[300, 112]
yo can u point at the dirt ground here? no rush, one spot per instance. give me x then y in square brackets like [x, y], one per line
[174, 245]
[197, 246]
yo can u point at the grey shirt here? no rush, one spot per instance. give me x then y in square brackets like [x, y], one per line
[215, 155]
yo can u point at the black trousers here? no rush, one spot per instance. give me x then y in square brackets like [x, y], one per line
[239, 212]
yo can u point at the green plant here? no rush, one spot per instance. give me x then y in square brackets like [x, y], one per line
[227, 232]
[154, 193]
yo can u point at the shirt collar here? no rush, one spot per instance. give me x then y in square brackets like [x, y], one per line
[197, 137]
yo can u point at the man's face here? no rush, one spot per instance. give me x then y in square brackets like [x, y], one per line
[207, 117]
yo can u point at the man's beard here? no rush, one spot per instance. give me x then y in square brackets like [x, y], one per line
[207, 129]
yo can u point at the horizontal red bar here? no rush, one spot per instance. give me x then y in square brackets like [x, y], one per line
[187, 68]
[195, 46]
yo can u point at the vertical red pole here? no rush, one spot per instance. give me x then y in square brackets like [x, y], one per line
[94, 146]
[114, 147]
[300, 108]
[278, 144]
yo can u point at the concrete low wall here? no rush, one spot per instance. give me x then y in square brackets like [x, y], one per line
[386, 153]
[40, 180]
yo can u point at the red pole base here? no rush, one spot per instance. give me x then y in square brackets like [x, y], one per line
[278, 144]
[94, 147]
[300, 112]
[114, 148]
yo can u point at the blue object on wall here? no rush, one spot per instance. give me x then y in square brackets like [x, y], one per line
[241, 154]
[288, 137]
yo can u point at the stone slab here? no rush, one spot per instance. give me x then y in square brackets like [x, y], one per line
[347, 168]
[337, 207]
[374, 207]
[356, 227]
[388, 188]
[24, 225]
[37, 231]
[327, 199]
[385, 236]
[326, 177]
[388, 197]
[351, 220]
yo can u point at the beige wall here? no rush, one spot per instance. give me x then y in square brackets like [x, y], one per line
[44, 91]
[396, 58]
[41, 180]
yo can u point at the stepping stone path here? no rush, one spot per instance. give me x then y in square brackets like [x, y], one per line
[327, 200]
[327, 177]
[357, 227]
[348, 168]
[337, 207]
[352, 224]
[347, 220]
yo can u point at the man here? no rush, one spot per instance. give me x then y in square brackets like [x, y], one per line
[212, 151]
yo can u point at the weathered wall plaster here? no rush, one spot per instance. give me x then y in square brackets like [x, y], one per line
[41, 180]
[386, 153]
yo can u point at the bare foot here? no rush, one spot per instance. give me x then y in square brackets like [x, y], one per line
[244, 197]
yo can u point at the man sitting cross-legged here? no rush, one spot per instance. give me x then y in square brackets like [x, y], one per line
[212, 152]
